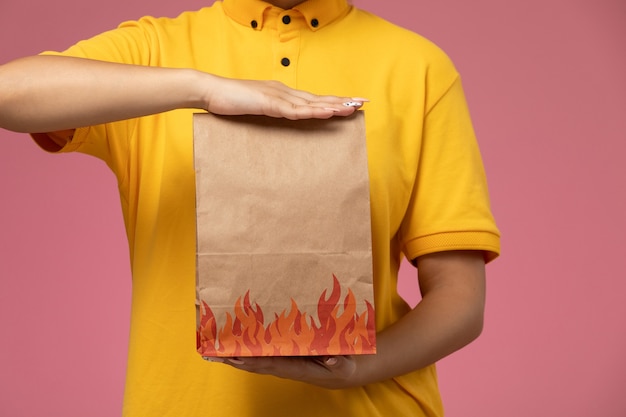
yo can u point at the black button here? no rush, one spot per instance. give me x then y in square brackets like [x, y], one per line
[254, 24]
[285, 62]
[286, 20]
[315, 23]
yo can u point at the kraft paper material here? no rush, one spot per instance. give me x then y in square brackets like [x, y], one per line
[284, 254]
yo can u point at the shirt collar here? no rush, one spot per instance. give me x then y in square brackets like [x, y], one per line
[317, 13]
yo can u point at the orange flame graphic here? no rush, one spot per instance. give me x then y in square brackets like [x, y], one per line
[341, 329]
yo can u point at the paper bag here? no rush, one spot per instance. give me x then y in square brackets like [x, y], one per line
[284, 256]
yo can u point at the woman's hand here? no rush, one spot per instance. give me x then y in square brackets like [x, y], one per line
[330, 372]
[272, 98]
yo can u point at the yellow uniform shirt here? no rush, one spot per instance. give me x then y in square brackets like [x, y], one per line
[428, 189]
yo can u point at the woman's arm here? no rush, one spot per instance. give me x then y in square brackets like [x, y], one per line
[51, 93]
[449, 316]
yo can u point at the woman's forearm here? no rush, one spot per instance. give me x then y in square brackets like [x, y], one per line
[48, 93]
[449, 317]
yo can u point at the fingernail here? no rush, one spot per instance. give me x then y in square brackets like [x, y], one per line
[331, 361]
[352, 104]
[213, 359]
[236, 361]
[365, 100]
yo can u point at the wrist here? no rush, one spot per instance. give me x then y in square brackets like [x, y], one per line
[200, 87]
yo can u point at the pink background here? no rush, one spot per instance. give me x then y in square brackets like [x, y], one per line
[546, 84]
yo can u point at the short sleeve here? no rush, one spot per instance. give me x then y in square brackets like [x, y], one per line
[130, 43]
[449, 207]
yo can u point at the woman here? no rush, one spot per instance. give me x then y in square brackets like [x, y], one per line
[127, 97]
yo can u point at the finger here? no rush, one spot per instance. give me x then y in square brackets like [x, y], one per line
[302, 97]
[280, 366]
[294, 111]
[307, 104]
[328, 372]
[322, 100]
[333, 363]
[337, 104]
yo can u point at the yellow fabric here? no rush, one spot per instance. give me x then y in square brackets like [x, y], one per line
[427, 185]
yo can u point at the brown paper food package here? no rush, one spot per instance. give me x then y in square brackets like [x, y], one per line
[284, 254]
